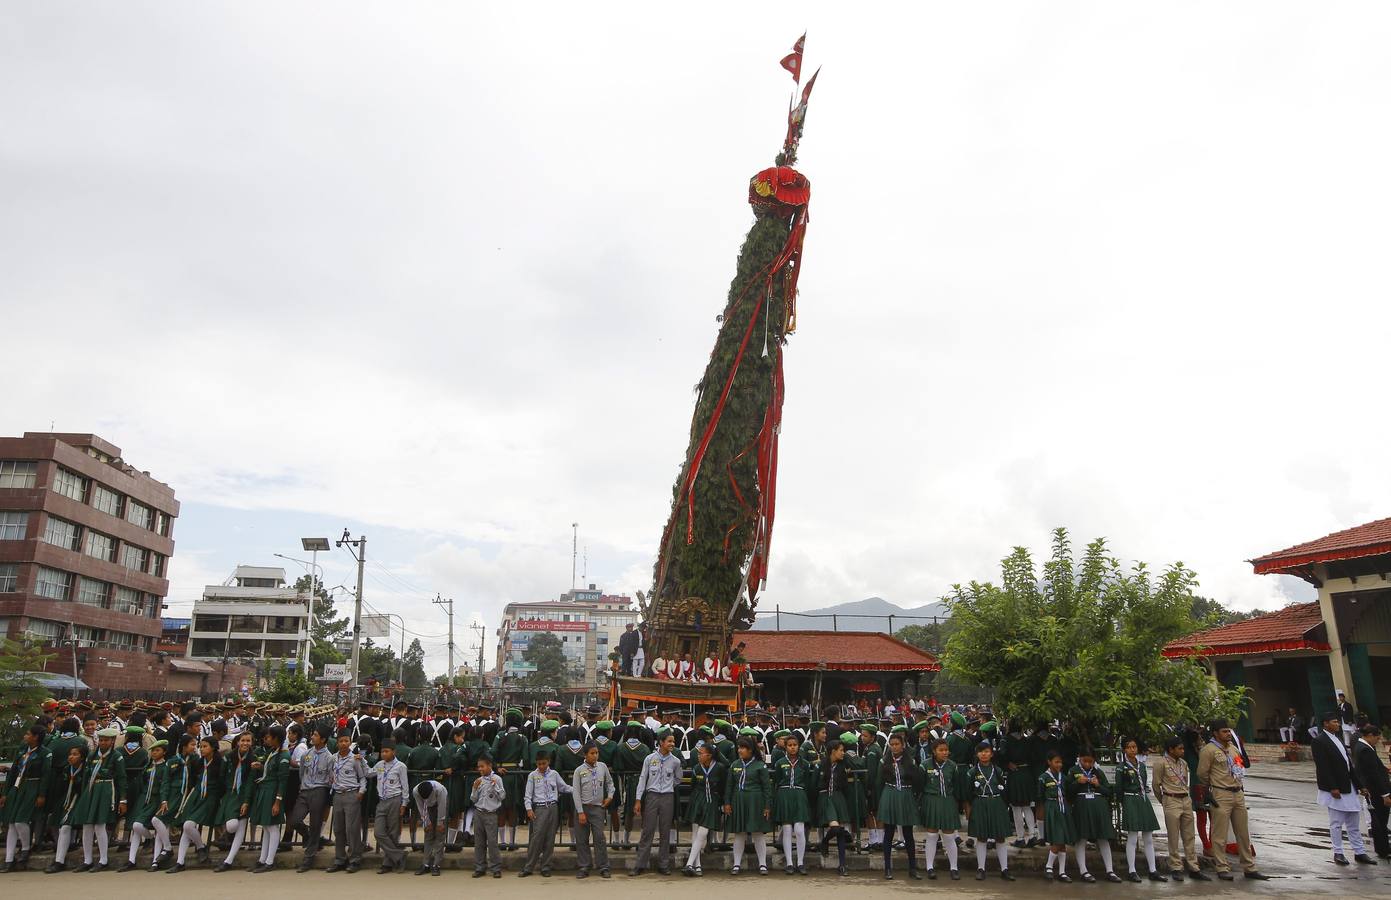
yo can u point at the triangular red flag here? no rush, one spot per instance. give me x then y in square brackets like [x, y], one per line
[792, 62]
[811, 82]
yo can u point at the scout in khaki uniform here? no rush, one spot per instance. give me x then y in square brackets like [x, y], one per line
[1137, 814]
[103, 799]
[1221, 773]
[26, 790]
[1172, 785]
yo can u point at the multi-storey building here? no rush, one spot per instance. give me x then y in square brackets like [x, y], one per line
[253, 618]
[85, 541]
[587, 622]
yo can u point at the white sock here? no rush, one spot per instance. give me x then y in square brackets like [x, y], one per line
[1021, 828]
[980, 854]
[1149, 850]
[468, 821]
[760, 848]
[786, 844]
[270, 842]
[64, 842]
[88, 832]
[1081, 851]
[237, 828]
[1062, 861]
[698, 834]
[102, 841]
[162, 844]
[738, 849]
[1132, 840]
[1002, 854]
[801, 831]
[1105, 847]
[22, 829]
[949, 839]
[11, 844]
[1052, 857]
[1030, 823]
[137, 837]
[930, 848]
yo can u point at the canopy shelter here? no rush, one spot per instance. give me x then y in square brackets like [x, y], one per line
[823, 667]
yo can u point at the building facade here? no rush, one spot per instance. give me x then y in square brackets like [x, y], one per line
[85, 543]
[587, 621]
[253, 618]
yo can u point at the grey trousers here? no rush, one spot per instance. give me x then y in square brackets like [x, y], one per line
[387, 828]
[593, 830]
[311, 802]
[434, 845]
[347, 828]
[485, 849]
[657, 813]
[541, 838]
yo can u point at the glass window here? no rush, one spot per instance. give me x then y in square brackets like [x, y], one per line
[44, 631]
[16, 474]
[129, 601]
[9, 578]
[101, 546]
[135, 558]
[86, 635]
[139, 514]
[210, 623]
[61, 533]
[207, 647]
[281, 649]
[92, 592]
[121, 640]
[162, 523]
[244, 648]
[71, 485]
[256, 624]
[106, 500]
[53, 584]
[282, 624]
[158, 570]
[14, 526]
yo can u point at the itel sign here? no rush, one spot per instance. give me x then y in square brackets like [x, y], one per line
[548, 625]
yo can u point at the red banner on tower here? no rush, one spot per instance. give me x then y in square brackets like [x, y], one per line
[792, 62]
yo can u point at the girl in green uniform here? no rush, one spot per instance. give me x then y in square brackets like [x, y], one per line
[1021, 788]
[454, 761]
[237, 778]
[1090, 795]
[272, 771]
[987, 818]
[177, 787]
[897, 809]
[833, 800]
[747, 803]
[72, 792]
[200, 804]
[149, 794]
[26, 785]
[1056, 815]
[509, 749]
[941, 813]
[627, 766]
[705, 811]
[792, 779]
[103, 799]
[1137, 815]
[871, 756]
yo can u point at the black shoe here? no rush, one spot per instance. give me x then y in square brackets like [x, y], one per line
[1175, 875]
[915, 875]
[660, 871]
[1020, 844]
[688, 871]
[1257, 876]
[434, 870]
[888, 874]
[1114, 878]
[931, 874]
[1064, 878]
[1199, 875]
[125, 866]
[605, 873]
[546, 873]
[385, 869]
[100, 867]
[353, 867]
[162, 860]
[1339, 859]
[1158, 876]
[980, 874]
[1365, 860]
[584, 873]
[1132, 876]
[842, 871]
[304, 867]
[802, 870]
[1007, 875]
[7, 868]
[633, 873]
[336, 867]
[175, 868]
[789, 870]
[1225, 876]
[522, 874]
[1088, 878]
[478, 873]
[54, 867]
[262, 868]
[763, 870]
[204, 856]
[1048, 875]
[84, 867]
[223, 866]
[497, 874]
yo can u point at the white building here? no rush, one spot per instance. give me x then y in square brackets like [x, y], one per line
[252, 617]
[587, 622]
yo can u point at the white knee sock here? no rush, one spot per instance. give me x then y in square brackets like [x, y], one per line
[760, 848]
[1030, 823]
[1105, 847]
[980, 854]
[1052, 857]
[102, 842]
[137, 837]
[64, 842]
[800, 829]
[697, 844]
[930, 848]
[786, 834]
[1081, 852]
[88, 833]
[162, 843]
[949, 839]
[237, 828]
[1132, 840]
[738, 849]
[1021, 828]
[1062, 861]
[1002, 854]
[1149, 850]
[270, 842]
[190, 835]
[11, 844]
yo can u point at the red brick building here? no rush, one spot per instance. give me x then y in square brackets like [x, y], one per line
[85, 542]
[832, 666]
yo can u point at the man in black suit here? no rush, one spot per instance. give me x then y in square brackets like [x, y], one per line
[1338, 789]
[628, 644]
[1371, 772]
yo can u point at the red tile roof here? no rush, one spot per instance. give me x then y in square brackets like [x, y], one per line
[856, 651]
[1371, 539]
[1281, 631]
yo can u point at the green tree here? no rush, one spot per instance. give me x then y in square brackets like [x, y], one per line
[327, 626]
[931, 637]
[1082, 642]
[20, 691]
[415, 665]
[1209, 613]
[552, 674]
[380, 663]
[288, 686]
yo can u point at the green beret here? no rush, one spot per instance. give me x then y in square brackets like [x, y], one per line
[869, 728]
[706, 730]
[899, 729]
[512, 709]
[164, 744]
[721, 723]
[781, 733]
[958, 720]
[134, 729]
[662, 732]
[550, 725]
[748, 729]
[989, 726]
[848, 738]
[919, 726]
[603, 725]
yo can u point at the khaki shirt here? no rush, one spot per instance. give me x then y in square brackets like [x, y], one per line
[1214, 766]
[1171, 777]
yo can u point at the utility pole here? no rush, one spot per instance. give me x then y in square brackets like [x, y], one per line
[358, 548]
[448, 604]
[574, 552]
[482, 632]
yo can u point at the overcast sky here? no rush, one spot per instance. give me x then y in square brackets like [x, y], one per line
[447, 274]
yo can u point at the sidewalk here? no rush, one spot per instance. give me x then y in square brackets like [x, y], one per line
[1302, 771]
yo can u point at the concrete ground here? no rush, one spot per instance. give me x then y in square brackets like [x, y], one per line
[1290, 833]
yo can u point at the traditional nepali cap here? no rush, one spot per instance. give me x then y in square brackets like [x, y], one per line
[110, 732]
[550, 725]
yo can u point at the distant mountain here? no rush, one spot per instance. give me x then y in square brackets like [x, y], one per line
[869, 614]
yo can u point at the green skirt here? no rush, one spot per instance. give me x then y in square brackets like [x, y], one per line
[699, 812]
[97, 805]
[1137, 814]
[989, 819]
[897, 807]
[1058, 827]
[833, 807]
[940, 813]
[229, 807]
[1093, 819]
[19, 804]
[1022, 786]
[747, 815]
[262, 799]
[790, 806]
[202, 810]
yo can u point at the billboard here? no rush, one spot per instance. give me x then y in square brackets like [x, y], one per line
[548, 625]
[518, 666]
[376, 627]
[335, 672]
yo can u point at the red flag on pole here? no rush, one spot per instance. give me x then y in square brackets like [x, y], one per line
[811, 82]
[792, 62]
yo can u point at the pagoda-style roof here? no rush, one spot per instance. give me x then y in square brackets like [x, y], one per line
[841, 651]
[1371, 539]
[1298, 626]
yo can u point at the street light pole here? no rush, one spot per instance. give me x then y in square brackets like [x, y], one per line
[359, 551]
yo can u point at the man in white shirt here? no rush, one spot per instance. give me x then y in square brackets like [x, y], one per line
[393, 793]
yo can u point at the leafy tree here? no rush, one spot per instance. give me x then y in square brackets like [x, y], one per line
[415, 665]
[380, 663]
[20, 691]
[1209, 613]
[327, 626]
[552, 673]
[1082, 643]
[931, 638]
[288, 686]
